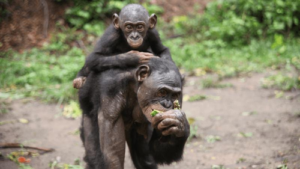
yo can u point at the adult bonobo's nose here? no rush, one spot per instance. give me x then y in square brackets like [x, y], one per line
[167, 104]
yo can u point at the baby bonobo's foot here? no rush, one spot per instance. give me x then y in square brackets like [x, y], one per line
[79, 82]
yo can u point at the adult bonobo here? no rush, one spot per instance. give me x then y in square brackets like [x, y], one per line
[135, 30]
[119, 110]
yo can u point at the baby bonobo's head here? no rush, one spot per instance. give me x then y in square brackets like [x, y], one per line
[134, 21]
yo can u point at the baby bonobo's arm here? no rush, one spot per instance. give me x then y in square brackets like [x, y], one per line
[102, 58]
[157, 47]
[104, 47]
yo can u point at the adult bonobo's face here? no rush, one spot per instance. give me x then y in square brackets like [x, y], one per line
[134, 22]
[158, 90]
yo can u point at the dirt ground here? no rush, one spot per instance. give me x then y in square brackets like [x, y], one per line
[255, 129]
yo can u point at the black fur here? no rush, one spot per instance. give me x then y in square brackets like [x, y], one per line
[109, 49]
[145, 153]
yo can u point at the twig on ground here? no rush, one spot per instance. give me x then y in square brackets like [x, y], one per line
[18, 145]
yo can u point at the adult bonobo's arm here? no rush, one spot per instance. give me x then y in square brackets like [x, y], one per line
[170, 134]
[111, 130]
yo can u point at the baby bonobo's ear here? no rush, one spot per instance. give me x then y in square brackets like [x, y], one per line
[152, 21]
[142, 73]
[116, 21]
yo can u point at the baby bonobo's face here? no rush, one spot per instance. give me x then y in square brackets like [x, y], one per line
[134, 21]
[134, 32]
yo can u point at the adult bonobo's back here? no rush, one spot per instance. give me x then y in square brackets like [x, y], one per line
[120, 108]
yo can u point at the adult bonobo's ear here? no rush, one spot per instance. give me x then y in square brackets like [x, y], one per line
[152, 21]
[142, 73]
[182, 79]
[116, 21]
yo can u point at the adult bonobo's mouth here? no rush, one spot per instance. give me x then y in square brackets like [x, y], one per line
[148, 109]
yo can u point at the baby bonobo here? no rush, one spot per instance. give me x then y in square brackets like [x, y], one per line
[134, 33]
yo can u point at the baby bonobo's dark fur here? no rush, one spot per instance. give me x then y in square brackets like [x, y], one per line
[132, 32]
[119, 109]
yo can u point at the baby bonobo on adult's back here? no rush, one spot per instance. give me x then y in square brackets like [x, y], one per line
[134, 33]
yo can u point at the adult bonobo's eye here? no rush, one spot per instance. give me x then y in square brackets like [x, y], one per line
[128, 28]
[162, 93]
[175, 96]
[140, 28]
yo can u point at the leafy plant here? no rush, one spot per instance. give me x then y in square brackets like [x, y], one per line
[84, 12]
[211, 83]
[38, 73]
[16, 160]
[237, 22]
[282, 166]
[281, 81]
[212, 139]
[197, 98]
[218, 167]
[193, 128]
[56, 165]
[72, 110]
[245, 134]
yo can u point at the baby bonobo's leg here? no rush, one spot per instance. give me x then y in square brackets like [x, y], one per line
[78, 82]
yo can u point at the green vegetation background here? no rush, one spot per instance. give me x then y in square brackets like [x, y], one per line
[231, 38]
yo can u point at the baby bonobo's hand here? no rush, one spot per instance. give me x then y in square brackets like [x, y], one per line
[171, 122]
[144, 57]
[79, 82]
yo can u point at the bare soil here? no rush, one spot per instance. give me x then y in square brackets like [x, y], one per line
[273, 123]
[28, 23]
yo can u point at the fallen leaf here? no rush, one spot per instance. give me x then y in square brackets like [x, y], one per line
[25, 121]
[23, 160]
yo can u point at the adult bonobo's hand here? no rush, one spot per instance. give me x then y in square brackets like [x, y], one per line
[144, 57]
[171, 122]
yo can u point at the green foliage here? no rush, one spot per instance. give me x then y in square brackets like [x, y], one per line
[4, 106]
[281, 81]
[212, 139]
[38, 73]
[211, 83]
[228, 61]
[153, 9]
[56, 165]
[245, 134]
[197, 98]
[239, 21]
[193, 128]
[46, 73]
[72, 110]
[282, 166]
[218, 167]
[15, 160]
[87, 15]
[90, 12]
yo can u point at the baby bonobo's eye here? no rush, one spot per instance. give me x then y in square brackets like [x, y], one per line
[128, 28]
[162, 93]
[140, 28]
